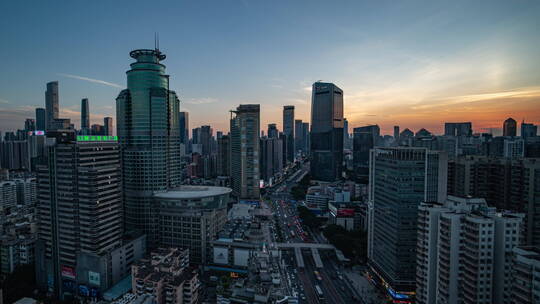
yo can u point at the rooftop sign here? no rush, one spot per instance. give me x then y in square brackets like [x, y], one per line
[96, 138]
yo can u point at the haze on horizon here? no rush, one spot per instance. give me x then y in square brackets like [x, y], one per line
[415, 64]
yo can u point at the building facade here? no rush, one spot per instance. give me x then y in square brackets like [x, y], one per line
[288, 131]
[51, 103]
[326, 150]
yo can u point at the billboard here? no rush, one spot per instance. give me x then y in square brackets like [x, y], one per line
[39, 132]
[68, 272]
[345, 212]
[94, 278]
[221, 255]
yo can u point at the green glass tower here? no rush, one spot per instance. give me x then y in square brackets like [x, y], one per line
[148, 132]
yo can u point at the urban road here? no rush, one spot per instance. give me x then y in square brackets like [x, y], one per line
[334, 284]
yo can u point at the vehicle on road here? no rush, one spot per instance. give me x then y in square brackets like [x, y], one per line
[317, 275]
[320, 294]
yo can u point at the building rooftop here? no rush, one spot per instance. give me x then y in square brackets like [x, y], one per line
[187, 192]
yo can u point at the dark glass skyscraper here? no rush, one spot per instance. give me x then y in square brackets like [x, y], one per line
[85, 116]
[326, 132]
[184, 128]
[288, 130]
[41, 118]
[364, 139]
[51, 103]
[148, 133]
[107, 126]
[510, 127]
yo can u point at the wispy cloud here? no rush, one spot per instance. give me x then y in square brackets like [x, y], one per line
[3, 101]
[110, 84]
[200, 101]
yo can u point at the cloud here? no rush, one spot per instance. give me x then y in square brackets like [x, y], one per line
[110, 84]
[200, 101]
[3, 101]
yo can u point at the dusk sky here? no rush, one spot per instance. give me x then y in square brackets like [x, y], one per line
[411, 63]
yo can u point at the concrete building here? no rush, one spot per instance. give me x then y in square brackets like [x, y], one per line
[79, 208]
[288, 131]
[326, 150]
[400, 179]
[167, 277]
[514, 148]
[8, 195]
[149, 135]
[245, 151]
[191, 217]
[364, 139]
[464, 252]
[526, 275]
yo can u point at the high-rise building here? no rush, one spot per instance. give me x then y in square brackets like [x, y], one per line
[29, 125]
[41, 118]
[107, 126]
[326, 137]
[346, 136]
[245, 151]
[224, 156]
[51, 103]
[525, 274]
[271, 162]
[148, 133]
[464, 252]
[396, 133]
[272, 131]
[298, 135]
[458, 128]
[288, 130]
[510, 127]
[97, 129]
[364, 139]
[400, 179]
[85, 116]
[507, 184]
[79, 209]
[305, 136]
[205, 139]
[528, 130]
[184, 127]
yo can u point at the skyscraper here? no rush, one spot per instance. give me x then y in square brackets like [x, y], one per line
[288, 130]
[364, 139]
[29, 124]
[298, 138]
[79, 209]
[184, 127]
[148, 133]
[51, 103]
[510, 127]
[305, 135]
[396, 133]
[245, 151]
[326, 132]
[528, 130]
[272, 131]
[85, 116]
[41, 118]
[400, 179]
[224, 156]
[205, 138]
[271, 157]
[458, 128]
[107, 126]
[346, 136]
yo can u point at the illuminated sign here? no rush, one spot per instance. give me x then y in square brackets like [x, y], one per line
[39, 132]
[96, 138]
[68, 272]
[94, 278]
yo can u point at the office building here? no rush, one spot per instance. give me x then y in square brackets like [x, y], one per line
[305, 136]
[346, 136]
[85, 117]
[108, 126]
[364, 139]
[166, 277]
[458, 129]
[29, 125]
[298, 136]
[205, 139]
[288, 130]
[464, 252]
[190, 217]
[510, 127]
[400, 179]
[51, 103]
[14, 155]
[272, 131]
[97, 129]
[184, 127]
[79, 209]
[245, 151]
[507, 184]
[396, 133]
[41, 118]
[271, 163]
[528, 130]
[326, 136]
[525, 275]
[224, 156]
[148, 133]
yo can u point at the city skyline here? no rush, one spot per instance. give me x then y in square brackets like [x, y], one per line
[475, 63]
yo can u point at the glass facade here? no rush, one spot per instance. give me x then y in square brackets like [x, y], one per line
[326, 132]
[149, 134]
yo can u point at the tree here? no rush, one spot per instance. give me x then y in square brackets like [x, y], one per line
[353, 244]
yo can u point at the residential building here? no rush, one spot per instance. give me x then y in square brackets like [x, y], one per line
[528, 130]
[245, 151]
[525, 275]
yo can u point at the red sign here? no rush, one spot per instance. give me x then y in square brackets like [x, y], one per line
[68, 272]
[345, 212]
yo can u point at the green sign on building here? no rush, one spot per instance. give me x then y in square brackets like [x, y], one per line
[96, 138]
